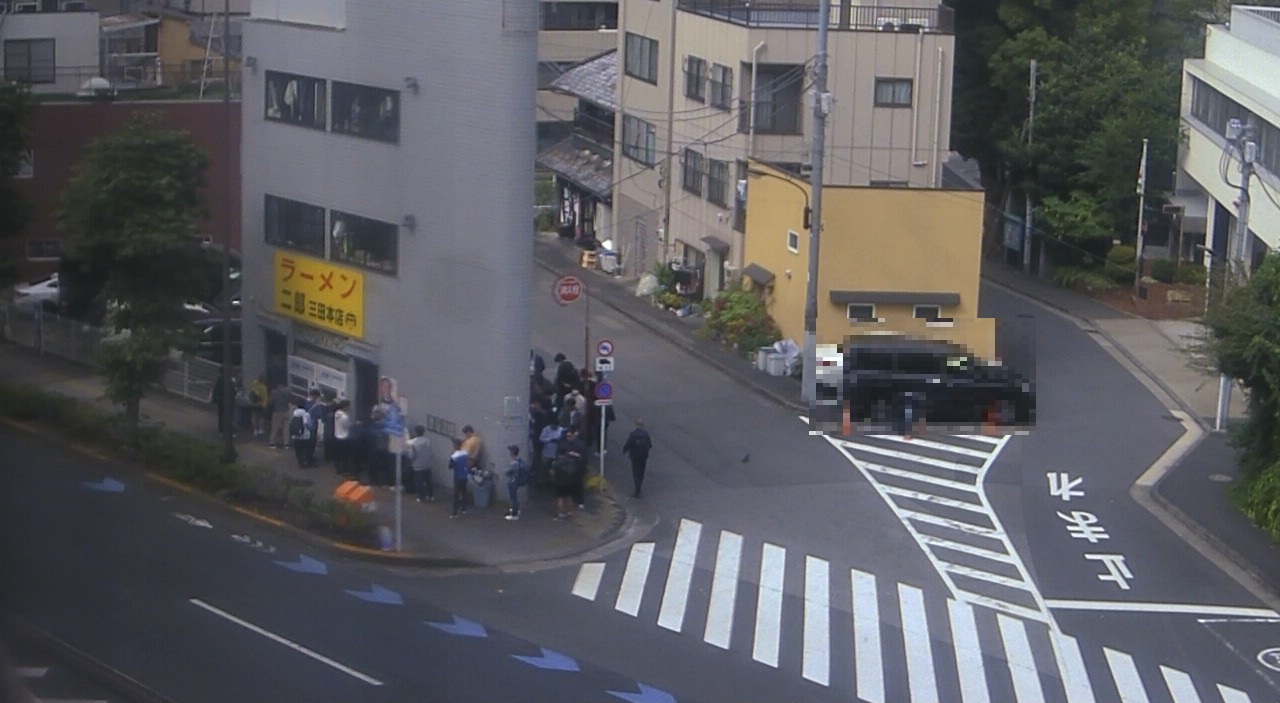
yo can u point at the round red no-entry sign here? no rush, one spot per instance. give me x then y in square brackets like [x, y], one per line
[568, 289]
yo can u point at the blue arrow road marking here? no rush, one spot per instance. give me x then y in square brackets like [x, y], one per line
[550, 660]
[460, 626]
[106, 485]
[306, 565]
[378, 594]
[647, 694]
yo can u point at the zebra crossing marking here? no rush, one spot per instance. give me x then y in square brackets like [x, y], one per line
[917, 458]
[964, 633]
[929, 444]
[1125, 674]
[675, 597]
[1231, 695]
[1075, 678]
[922, 679]
[868, 666]
[1180, 686]
[1022, 665]
[32, 672]
[724, 591]
[587, 585]
[773, 562]
[634, 577]
[923, 478]
[817, 621]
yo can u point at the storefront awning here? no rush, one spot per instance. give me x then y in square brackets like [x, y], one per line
[758, 274]
[894, 297]
[716, 244]
[576, 161]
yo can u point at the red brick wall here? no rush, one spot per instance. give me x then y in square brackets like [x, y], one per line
[60, 132]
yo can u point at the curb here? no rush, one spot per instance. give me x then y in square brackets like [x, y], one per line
[94, 669]
[681, 342]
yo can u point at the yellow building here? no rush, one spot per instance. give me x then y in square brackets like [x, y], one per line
[903, 260]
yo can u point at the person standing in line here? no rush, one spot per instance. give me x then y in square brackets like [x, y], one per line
[315, 413]
[388, 420]
[549, 439]
[566, 379]
[474, 447]
[637, 449]
[517, 478]
[564, 478]
[341, 438]
[300, 433]
[576, 449]
[279, 412]
[458, 466]
[260, 397]
[419, 451]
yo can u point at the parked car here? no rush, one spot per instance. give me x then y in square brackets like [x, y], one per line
[27, 297]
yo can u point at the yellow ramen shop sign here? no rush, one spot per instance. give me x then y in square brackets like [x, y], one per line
[320, 293]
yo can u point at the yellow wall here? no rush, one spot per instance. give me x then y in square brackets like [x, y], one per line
[873, 239]
[178, 52]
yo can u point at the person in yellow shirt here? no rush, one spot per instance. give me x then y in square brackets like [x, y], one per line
[473, 445]
[258, 401]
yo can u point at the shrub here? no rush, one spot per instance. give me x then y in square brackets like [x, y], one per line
[1164, 270]
[1191, 273]
[1258, 497]
[740, 318]
[544, 221]
[1120, 263]
[1080, 278]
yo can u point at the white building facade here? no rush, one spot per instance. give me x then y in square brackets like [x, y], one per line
[53, 51]
[386, 156]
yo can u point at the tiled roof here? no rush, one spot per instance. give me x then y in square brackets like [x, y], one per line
[594, 80]
[587, 165]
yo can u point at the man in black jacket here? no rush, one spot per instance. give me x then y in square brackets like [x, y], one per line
[637, 449]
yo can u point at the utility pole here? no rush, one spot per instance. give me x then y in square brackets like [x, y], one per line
[821, 106]
[671, 147]
[1142, 204]
[1027, 222]
[228, 392]
[1240, 136]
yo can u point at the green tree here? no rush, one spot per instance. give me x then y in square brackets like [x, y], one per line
[16, 108]
[131, 212]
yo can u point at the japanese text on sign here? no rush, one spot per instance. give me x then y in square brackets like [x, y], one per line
[1085, 525]
[320, 293]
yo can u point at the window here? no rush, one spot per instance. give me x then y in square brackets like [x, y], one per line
[30, 61]
[1216, 110]
[289, 223]
[297, 99]
[721, 86]
[777, 101]
[793, 241]
[641, 60]
[26, 164]
[364, 111]
[639, 140]
[695, 78]
[718, 182]
[43, 249]
[364, 242]
[931, 313]
[692, 180]
[893, 92]
[740, 199]
[861, 312]
[579, 15]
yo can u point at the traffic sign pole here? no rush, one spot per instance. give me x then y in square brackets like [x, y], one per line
[604, 412]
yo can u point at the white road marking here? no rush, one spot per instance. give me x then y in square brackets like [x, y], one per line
[724, 591]
[1231, 695]
[917, 476]
[773, 560]
[979, 574]
[868, 667]
[1180, 686]
[951, 523]
[1137, 607]
[1075, 679]
[1022, 665]
[587, 585]
[634, 577]
[32, 672]
[964, 636]
[817, 621]
[955, 546]
[1125, 674]
[917, 458]
[931, 498]
[918, 442]
[982, 438]
[288, 643]
[921, 677]
[675, 595]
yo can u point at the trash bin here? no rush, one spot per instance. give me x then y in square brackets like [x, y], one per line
[762, 358]
[777, 364]
[482, 494]
[608, 261]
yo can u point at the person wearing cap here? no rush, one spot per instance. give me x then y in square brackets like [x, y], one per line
[517, 477]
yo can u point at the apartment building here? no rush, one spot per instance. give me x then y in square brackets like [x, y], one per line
[706, 85]
[387, 204]
[50, 46]
[1238, 79]
[570, 31]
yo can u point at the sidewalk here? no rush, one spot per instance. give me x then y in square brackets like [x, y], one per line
[480, 538]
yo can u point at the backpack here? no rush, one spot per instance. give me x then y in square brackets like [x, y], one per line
[521, 476]
[298, 427]
[642, 442]
[564, 470]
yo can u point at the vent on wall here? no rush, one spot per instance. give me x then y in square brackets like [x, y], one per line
[74, 6]
[26, 7]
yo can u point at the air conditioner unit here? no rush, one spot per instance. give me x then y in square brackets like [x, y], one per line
[23, 7]
[887, 24]
[73, 6]
[730, 269]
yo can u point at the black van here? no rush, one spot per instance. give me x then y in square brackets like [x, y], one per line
[942, 383]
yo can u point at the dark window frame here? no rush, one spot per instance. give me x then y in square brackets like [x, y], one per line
[718, 182]
[275, 106]
[849, 309]
[284, 217]
[645, 149]
[577, 16]
[373, 112]
[915, 312]
[695, 78]
[888, 92]
[721, 93]
[693, 165]
[356, 228]
[30, 71]
[639, 49]
[778, 102]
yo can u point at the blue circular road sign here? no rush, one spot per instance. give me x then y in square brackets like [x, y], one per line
[604, 390]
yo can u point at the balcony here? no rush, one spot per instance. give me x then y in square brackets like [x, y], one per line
[803, 14]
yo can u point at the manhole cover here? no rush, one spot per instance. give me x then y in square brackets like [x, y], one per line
[1220, 478]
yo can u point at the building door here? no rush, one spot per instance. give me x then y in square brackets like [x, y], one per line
[277, 348]
[366, 388]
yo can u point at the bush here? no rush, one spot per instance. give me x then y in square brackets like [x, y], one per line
[1191, 273]
[740, 318]
[1120, 263]
[544, 221]
[1164, 270]
[1081, 278]
[1258, 497]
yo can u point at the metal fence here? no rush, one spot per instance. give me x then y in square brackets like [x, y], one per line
[75, 341]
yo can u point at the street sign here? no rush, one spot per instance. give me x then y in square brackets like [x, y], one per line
[604, 391]
[567, 289]
[604, 347]
[604, 364]
[604, 401]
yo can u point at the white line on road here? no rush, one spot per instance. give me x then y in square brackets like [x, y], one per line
[633, 578]
[915, 639]
[951, 523]
[868, 667]
[1022, 665]
[675, 596]
[944, 543]
[724, 591]
[917, 458]
[1231, 695]
[964, 635]
[931, 498]
[32, 672]
[1075, 679]
[288, 643]
[587, 585]
[817, 621]
[917, 442]
[1180, 686]
[773, 562]
[1164, 608]
[921, 477]
[1125, 674]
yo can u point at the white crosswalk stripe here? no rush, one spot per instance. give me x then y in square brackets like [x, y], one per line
[901, 649]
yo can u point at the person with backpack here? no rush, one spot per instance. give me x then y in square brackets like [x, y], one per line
[564, 477]
[637, 449]
[419, 454]
[300, 433]
[549, 438]
[460, 470]
[517, 478]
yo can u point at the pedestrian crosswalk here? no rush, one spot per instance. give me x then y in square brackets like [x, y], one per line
[843, 628]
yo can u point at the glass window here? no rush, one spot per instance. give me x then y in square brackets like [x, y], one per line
[296, 99]
[777, 100]
[721, 86]
[695, 78]
[926, 312]
[364, 111]
[718, 182]
[861, 312]
[740, 199]
[793, 244]
[579, 15]
[639, 140]
[289, 223]
[30, 61]
[364, 242]
[692, 180]
[893, 92]
[641, 59]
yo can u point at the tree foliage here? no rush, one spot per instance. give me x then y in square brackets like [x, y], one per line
[130, 213]
[16, 108]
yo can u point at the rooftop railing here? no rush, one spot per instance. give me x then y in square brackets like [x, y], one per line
[803, 14]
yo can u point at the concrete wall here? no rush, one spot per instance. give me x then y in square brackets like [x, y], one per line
[452, 325]
[75, 36]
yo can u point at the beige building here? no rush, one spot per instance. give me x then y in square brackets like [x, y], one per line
[569, 32]
[903, 260]
[707, 84]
